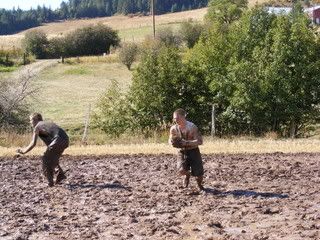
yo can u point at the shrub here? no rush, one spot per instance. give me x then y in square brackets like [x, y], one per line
[90, 40]
[168, 37]
[112, 112]
[35, 42]
[190, 32]
[128, 53]
[56, 47]
[14, 108]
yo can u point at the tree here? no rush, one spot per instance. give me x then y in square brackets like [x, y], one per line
[190, 32]
[156, 87]
[91, 40]
[225, 12]
[14, 109]
[292, 74]
[35, 42]
[56, 48]
[168, 37]
[261, 71]
[128, 53]
[64, 11]
[112, 112]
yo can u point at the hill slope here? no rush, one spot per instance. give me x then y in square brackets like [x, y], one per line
[130, 28]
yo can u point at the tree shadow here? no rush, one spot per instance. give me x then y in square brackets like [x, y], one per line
[73, 186]
[245, 193]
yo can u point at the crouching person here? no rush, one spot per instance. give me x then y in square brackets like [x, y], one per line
[185, 136]
[56, 140]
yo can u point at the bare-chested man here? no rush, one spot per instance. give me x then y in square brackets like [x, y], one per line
[56, 140]
[185, 136]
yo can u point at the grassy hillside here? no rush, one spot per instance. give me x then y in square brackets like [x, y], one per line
[130, 28]
[66, 90]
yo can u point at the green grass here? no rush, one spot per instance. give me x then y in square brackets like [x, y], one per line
[67, 90]
[82, 70]
[7, 69]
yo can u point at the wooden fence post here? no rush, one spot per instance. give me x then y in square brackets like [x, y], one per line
[24, 59]
[85, 132]
[213, 126]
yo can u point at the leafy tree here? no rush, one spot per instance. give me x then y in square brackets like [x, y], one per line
[157, 87]
[128, 53]
[112, 112]
[56, 47]
[168, 37]
[190, 32]
[262, 72]
[91, 40]
[35, 42]
[292, 74]
[225, 11]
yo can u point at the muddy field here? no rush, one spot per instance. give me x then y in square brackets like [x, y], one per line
[269, 196]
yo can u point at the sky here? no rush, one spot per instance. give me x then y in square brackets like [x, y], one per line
[27, 4]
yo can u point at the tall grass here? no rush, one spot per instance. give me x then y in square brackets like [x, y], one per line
[151, 146]
[13, 139]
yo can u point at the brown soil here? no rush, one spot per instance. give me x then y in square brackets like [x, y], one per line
[266, 196]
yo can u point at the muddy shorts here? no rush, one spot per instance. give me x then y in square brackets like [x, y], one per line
[190, 159]
[50, 160]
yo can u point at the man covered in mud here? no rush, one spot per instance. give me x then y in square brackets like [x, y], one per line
[56, 140]
[185, 136]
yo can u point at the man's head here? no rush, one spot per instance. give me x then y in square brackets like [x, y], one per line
[35, 118]
[179, 116]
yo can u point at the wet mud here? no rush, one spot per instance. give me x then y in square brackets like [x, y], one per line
[257, 196]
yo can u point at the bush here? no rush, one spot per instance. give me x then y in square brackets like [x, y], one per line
[112, 112]
[158, 88]
[14, 109]
[190, 32]
[128, 53]
[90, 40]
[56, 47]
[168, 37]
[35, 42]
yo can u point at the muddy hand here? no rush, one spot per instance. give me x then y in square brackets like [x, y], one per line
[19, 151]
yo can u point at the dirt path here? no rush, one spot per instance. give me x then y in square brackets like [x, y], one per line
[266, 196]
[35, 68]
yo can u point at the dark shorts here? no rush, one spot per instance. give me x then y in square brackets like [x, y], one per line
[50, 159]
[190, 159]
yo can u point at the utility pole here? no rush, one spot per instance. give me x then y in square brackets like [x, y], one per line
[153, 19]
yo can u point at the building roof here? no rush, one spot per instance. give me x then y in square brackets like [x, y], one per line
[310, 9]
[279, 10]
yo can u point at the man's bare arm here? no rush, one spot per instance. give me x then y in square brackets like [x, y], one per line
[174, 138]
[31, 145]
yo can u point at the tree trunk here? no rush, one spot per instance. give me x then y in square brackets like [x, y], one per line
[293, 127]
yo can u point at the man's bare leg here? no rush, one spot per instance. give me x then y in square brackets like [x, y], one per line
[61, 176]
[186, 179]
[200, 182]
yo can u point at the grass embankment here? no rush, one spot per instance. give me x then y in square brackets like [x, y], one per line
[211, 146]
[7, 69]
[66, 90]
[129, 28]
